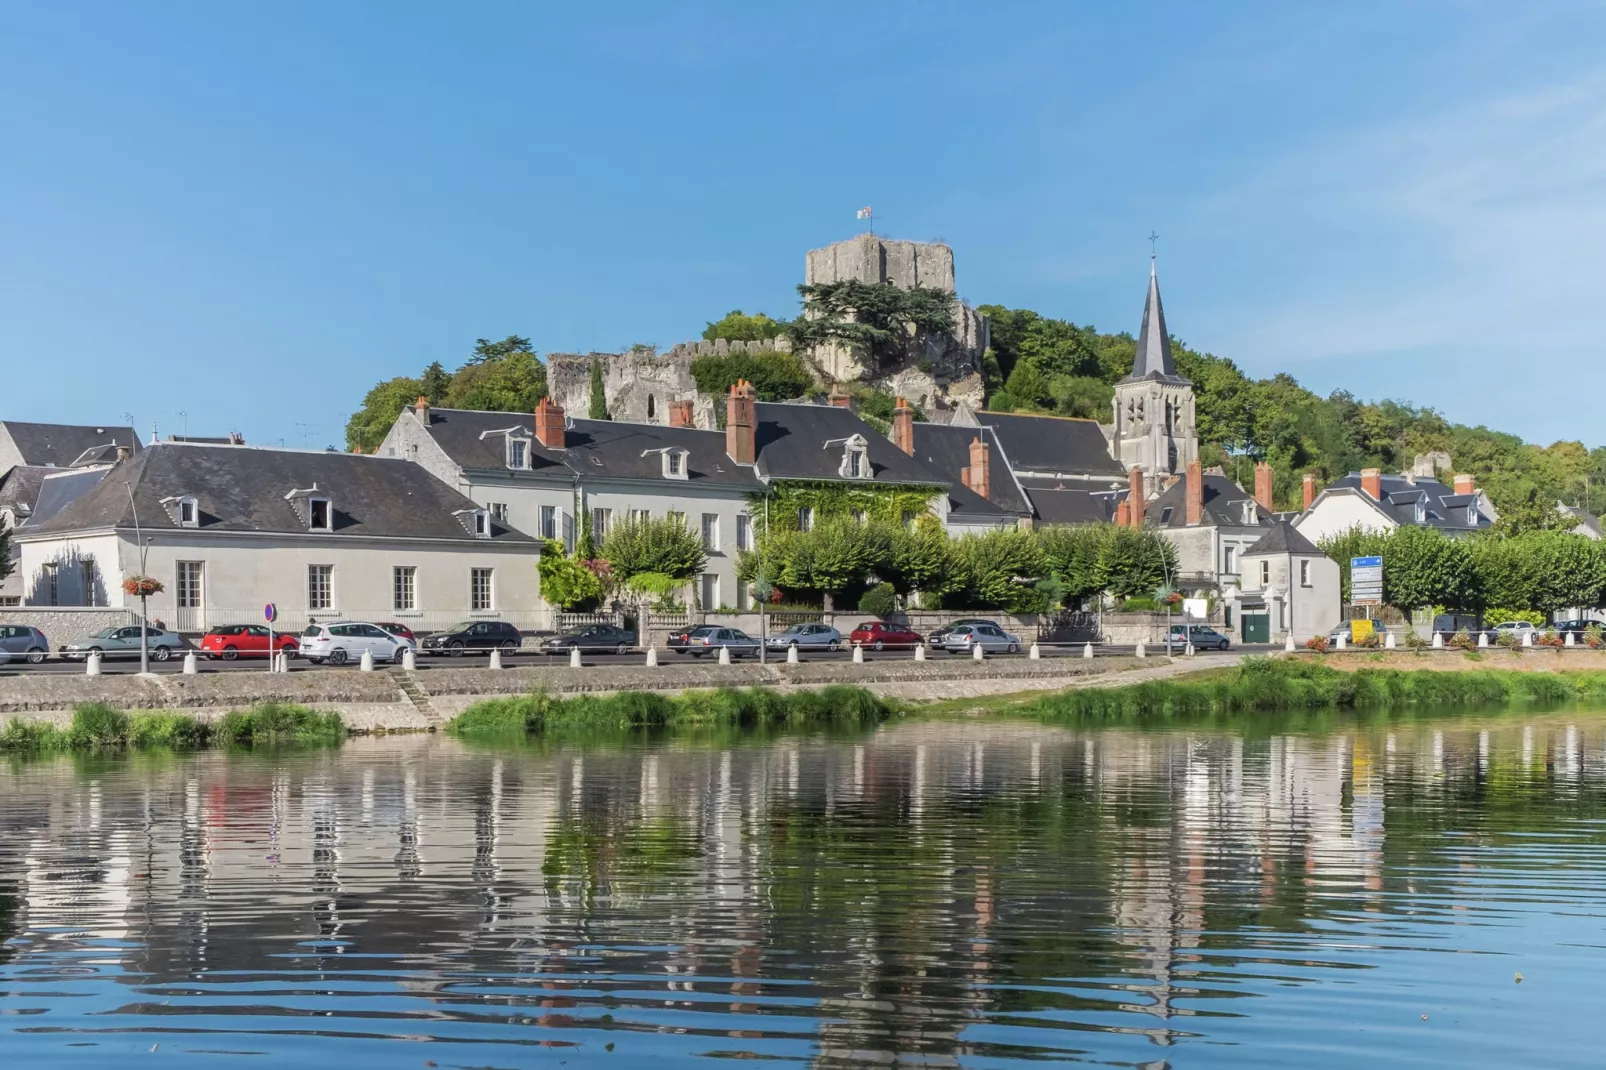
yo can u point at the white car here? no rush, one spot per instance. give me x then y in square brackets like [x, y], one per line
[1515, 628]
[341, 641]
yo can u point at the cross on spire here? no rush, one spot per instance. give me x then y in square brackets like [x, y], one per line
[1153, 237]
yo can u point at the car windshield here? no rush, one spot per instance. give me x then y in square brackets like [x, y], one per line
[798, 629]
[106, 633]
[460, 626]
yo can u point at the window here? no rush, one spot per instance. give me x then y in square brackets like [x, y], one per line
[480, 590]
[549, 521]
[675, 516]
[855, 464]
[711, 532]
[1227, 559]
[318, 514]
[1472, 516]
[1165, 515]
[499, 512]
[518, 453]
[805, 519]
[320, 586]
[1265, 573]
[677, 462]
[710, 590]
[744, 532]
[404, 588]
[188, 594]
[908, 518]
[482, 524]
[639, 516]
[11, 600]
[186, 513]
[600, 519]
[1304, 573]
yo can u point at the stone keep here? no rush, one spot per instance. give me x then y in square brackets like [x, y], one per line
[1154, 428]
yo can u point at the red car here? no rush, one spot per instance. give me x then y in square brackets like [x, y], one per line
[880, 634]
[232, 641]
[400, 631]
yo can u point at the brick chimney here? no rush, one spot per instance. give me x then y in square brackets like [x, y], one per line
[124, 452]
[422, 409]
[549, 424]
[980, 464]
[1195, 492]
[1123, 516]
[680, 414]
[903, 427]
[1308, 489]
[1372, 482]
[841, 400]
[741, 423]
[1465, 484]
[1134, 511]
[1263, 486]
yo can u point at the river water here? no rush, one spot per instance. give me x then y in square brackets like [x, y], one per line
[982, 893]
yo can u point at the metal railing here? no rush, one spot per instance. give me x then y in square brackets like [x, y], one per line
[199, 619]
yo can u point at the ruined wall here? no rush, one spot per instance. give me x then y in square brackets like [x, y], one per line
[638, 384]
[871, 259]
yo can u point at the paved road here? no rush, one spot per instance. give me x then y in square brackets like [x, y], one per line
[667, 660]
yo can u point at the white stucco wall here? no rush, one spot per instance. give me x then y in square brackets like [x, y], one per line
[1335, 513]
[1305, 610]
[98, 559]
[659, 501]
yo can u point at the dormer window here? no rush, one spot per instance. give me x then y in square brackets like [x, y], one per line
[477, 522]
[1249, 511]
[855, 457]
[186, 513]
[319, 514]
[674, 461]
[1421, 511]
[518, 453]
[184, 510]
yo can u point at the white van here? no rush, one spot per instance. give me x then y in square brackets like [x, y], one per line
[343, 641]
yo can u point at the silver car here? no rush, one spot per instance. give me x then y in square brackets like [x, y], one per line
[122, 641]
[807, 637]
[23, 641]
[964, 638]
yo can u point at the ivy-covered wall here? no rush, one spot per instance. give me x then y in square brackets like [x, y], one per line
[889, 504]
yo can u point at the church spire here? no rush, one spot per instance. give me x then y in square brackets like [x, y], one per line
[1154, 344]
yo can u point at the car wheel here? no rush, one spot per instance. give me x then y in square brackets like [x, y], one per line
[1014, 648]
[94, 650]
[337, 657]
[1224, 645]
[229, 653]
[456, 650]
[161, 653]
[834, 645]
[397, 654]
[878, 645]
[35, 656]
[507, 647]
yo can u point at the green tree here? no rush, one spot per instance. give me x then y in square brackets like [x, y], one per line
[921, 558]
[1422, 567]
[874, 317]
[599, 397]
[1346, 545]
[565, 581]
[1543, 570]
[775, 376]
[1134, 564]
[662, 545]
[369, 425]
[1073, 553]
[510, 383]
[1527, 509]
[7, 566]
[1001, 569]
[435, 383]
[487, 351]
[737, 326]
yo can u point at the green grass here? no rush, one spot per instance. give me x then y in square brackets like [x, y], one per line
[97, 726]
[1262, 685]
[541, 714]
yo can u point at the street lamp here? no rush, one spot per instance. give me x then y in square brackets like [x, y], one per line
[144, 596]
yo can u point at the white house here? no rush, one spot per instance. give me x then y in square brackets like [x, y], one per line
[1288, 587]
[1375, 502]
[1212, 522]
[230, 529]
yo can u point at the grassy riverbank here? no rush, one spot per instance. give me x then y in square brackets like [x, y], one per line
[1262, 685]
[98, 726]
[540, 714]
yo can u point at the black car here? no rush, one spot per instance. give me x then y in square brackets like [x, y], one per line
[1577, 627]
[592, 639]
[473, 637]
[939, 636]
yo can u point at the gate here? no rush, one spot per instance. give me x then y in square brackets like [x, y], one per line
[1256, 627]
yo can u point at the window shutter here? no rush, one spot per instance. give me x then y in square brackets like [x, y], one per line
[568, 533]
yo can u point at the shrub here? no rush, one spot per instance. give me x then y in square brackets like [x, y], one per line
[1142, 604]
[1318, 643]
[1494, 616]
[879, 600]
[1370, 641]
[1594, 637]
[271, 722]
[1462, 640]
[176, 730]
[1413, 641]
[1551, 638]
[95, 724]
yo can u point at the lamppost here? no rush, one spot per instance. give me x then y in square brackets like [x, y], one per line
[144, 596]
[1166, 594]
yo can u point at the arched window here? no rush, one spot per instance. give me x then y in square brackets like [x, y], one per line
[651, 406]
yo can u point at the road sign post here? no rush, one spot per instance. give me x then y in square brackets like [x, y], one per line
[1366, 581]
[270, 613]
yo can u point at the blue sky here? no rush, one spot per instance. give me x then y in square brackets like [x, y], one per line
[251, 213]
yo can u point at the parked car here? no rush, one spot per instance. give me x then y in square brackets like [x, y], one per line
[24, 640]
[680, 637]
[939, 636]
[1577, 627]
[1202, 636]
[473, 637]
[710, 637]
[880, 634]
[1514, 628]
[807, 637]
[401, 631]
[964, 638]
[341, 641]
[230, 641]
[122, 641]
[592, 639]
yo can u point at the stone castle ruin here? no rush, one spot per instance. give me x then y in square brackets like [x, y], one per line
[935, 372]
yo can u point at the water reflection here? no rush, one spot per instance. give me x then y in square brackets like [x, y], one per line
[941, 893]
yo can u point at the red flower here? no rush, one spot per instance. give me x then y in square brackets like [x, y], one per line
[142, 586]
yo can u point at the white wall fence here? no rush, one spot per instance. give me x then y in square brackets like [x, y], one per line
[197, 620]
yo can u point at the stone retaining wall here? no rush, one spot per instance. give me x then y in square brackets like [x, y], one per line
[63, 624]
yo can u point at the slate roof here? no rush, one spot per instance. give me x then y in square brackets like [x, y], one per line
[1053, 444]
[60, 488]
[792, 439]
[1223, 505]
[1153, 360]
[1053, 505]
[462, 434]
[19, 488]
[1283, 539]
[1444, 509]
[59, 445]
[242, 489]
[945, 449]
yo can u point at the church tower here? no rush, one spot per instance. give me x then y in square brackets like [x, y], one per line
[1154, 420]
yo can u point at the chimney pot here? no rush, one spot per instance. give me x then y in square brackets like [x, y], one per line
[1136, 496]
[1465, 484]
[980, 465]
[903, 427]
[123, 453]
[1195, 493]
[841, 400]
[1263, 486]
[1372, 483]
[1308, 489]
[549, 424]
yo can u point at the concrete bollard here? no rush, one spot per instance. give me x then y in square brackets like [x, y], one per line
[1568, 640]
[858, 654]
[652, 657]
[496, 659]
[1438, 640]
[1527, 638]
[1388, 640]
[1343, 643]
[367, 664]
[724, 655]
[1141, 651]
[190, 668]
[1187, 651]
[1087, 651]
[791, 653]
[410, 660]
[574, 657]
[976, 652]
[92, 665]
[1034, 654]
[920, 652]
[1483, 639]
[1288, 644]
[284, 661]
